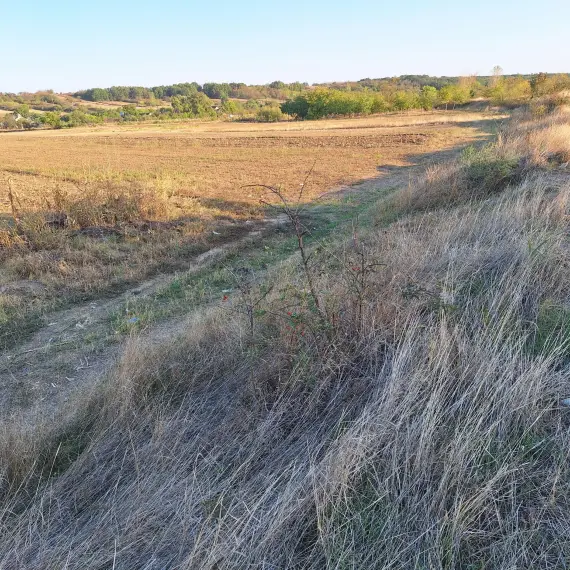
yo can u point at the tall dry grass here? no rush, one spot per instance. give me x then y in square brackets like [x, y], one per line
[531, 140]
[420, 426]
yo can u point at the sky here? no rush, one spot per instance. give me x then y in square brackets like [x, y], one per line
[71, 45]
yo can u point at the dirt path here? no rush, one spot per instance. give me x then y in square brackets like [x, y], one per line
[78, 345]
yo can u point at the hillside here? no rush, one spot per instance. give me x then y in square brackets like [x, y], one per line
[391, 394]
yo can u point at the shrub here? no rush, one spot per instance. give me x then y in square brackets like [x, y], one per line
[51, 119]
[379, 104]
[253, 105]
[78, 118]
[298, 107]
[488, 171]
[405, 100]
[9, 122]
[23, 110]
[269, 115]
[231, 107]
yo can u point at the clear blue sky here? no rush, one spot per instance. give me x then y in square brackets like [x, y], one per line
[68, 45]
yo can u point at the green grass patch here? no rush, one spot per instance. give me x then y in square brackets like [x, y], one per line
[552, 330]
[487, 171]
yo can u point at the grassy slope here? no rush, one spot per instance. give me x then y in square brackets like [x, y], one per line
[413, 421]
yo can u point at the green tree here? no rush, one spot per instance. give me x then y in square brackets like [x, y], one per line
[405, 100]
[51, 119]
[379, 104]
[298, 107]
[195, 105]
[428, 97]
[97, 94]
[217, 90]
[251, 105]
[537, 83]
[446, 95]
[23, 110]
[231, 107]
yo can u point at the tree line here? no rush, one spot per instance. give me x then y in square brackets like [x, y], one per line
[387, 86]
[325, 101]
[297, 100]
[275, 90]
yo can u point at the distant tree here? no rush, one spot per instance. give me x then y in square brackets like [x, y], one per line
[231, 107]
[216, 90]
[97, 94]
[379, 104]
[196, 105]
[185, 89]
[137, 93]
[537, 84]
[23, 110]
[49, 97]
[296, 86]
[497, 74]
[446, 95]
[298, 107]
[159, 92]
[51, 119]
[277, 85]
[516, 89]
[428, 97]
[545, 84]
[251, 105]
[405, 100]
[119, 93]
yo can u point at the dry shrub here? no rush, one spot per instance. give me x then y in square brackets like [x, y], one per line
[8, 239]
[557, 102]
[109, 205]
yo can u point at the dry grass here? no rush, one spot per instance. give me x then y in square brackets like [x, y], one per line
[521, 147]
[214, 160]
[426, 433]
[88, 212]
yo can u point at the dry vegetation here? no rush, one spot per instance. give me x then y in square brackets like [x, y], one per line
[90, 212]
[213, 160]
[541, 141]
[403, 411]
